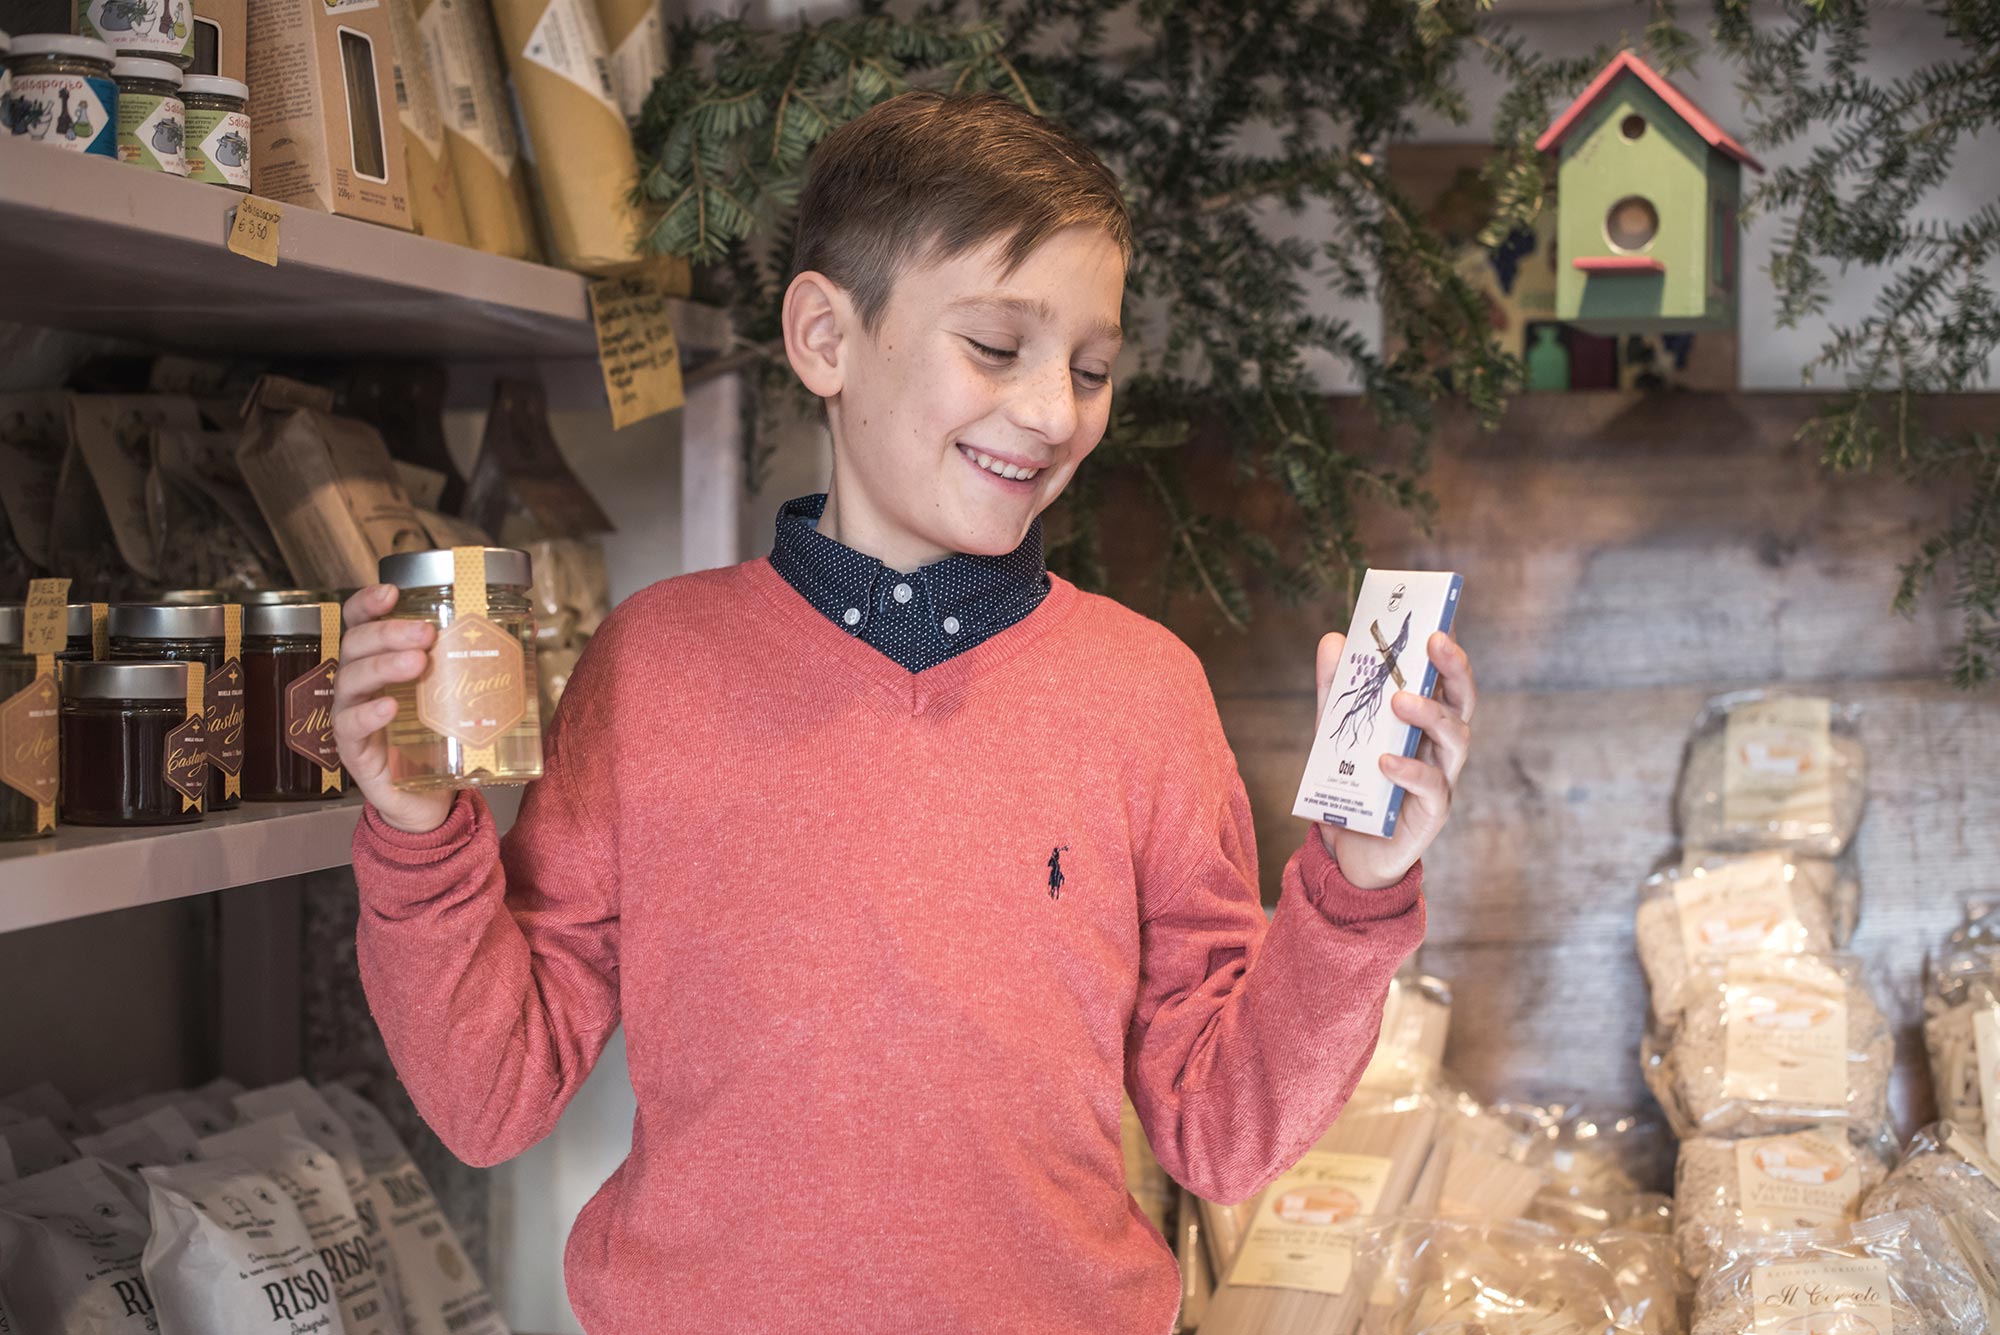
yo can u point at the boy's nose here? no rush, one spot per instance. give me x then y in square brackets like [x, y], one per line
[1047, 406]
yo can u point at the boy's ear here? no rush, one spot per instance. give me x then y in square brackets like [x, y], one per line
[816, 316]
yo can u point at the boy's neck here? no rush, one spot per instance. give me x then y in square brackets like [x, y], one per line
[858, 526]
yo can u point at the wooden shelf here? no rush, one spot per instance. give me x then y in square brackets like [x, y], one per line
[82, 870]
[105, 248]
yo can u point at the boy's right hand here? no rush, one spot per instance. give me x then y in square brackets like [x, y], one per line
[376, 654]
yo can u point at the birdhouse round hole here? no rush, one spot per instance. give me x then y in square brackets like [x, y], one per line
[1631, 224]
[1632, 126]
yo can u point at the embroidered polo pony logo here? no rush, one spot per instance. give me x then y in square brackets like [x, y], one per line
[1056, 877]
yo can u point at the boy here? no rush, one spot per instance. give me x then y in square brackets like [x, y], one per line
[895, 855]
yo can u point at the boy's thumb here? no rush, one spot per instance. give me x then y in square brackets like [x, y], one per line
[1331, 645]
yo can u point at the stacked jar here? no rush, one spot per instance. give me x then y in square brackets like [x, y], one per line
[134, 744]
[62, 93]
[218, 130]
[150, 632]
[152, 123]
[288, 669]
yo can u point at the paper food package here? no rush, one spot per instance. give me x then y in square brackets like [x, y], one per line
[70, 1247]
[582, 151]
[35, 1146]
[479, 134]
[435, 210]
[162, 1136]
[324, 133]
[635, 41]
[1386, 652]
[229, 1254]
[221, 39]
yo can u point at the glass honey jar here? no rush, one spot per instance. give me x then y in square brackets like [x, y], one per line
[473, 718]
[192, 633]
[132, 753]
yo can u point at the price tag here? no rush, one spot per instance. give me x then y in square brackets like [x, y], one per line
[636, 347]
[255, 235]
[45, 627]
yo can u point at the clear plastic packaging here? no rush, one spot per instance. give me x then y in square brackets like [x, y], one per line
[1769, 769]
[1898, 1274]
[1416, 1022]
[1594, 1149]
[1718, 904]
[1768, 1184]
[1961, 999]
[1578, 1213]
[1764, 1044]
[1949, 1171]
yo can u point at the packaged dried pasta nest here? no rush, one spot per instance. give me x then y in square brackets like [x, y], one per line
[1769, 1184]
[1770, 769]
[1579, 1213]
[1950, 1171]
[1897, 1274]
[1416, 1021]
[1765, 1043]
[1467, 1277]
[1962, 1008]
[1714, 904]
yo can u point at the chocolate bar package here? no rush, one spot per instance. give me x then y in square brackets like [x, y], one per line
[1393, 621]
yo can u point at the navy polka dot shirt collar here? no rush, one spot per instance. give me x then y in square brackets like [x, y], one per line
[919, 619]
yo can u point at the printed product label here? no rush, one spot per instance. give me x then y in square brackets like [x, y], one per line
[1986, 1043]
[1805, 1180]
[71, 111]
[1293, 1241]
[350, 6]
[1785, 1031]
[28, 740]
[150, 132]
[416, 100]
[476, 687]
[638, 62]
[1739, 907]
[219, 147]
[467, 74]
[186, 766]
[1779, 763]
[309, 715]
[569, 42]
[224, 703]
[1821, 1297]
[162, 29]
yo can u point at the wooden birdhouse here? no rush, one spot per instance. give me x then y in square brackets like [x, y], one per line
[1646, 198]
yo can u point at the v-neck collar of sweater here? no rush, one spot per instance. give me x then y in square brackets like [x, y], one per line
[937, 691]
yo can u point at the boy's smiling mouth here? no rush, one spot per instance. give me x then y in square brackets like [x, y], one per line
[999, 468]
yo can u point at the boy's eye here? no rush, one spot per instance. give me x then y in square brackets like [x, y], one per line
[998, 355]
[1090, 379]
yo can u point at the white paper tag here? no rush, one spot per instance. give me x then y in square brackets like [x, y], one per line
[1805, 1180]
[638, 62]
[1778, 769]
[1833, 1296]
[1785, 1031]
[1739, 907]
[1293, 1241]
[569, 41]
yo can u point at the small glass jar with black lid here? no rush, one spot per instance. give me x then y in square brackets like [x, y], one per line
[287, 704]
[130, 750]
[28, 746]
[192, 633]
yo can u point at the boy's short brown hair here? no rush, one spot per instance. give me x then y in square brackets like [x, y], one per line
[930, 175]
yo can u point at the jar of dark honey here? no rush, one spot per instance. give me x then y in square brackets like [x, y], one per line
[288, 675]
[132, 751]
[194, 633]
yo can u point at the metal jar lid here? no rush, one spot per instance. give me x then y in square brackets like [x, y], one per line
[62, 44]
[258, 597]
[281, 619]
[138, 67]
[12, 616]
[77, 626]
[193, 597]
[152, 621]
[125, 681]
[214, 86]
[423, 570]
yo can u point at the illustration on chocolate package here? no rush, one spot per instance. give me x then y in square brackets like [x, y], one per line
[232, 150]
[1361, 702]
[25, 115]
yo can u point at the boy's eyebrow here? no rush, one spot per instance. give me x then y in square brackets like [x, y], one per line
[1032, 307]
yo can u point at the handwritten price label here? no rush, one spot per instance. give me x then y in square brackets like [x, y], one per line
[255, 235]
[636, 347]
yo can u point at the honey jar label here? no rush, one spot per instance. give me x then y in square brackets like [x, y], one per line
[186, 766]
[476, 687]
[28, 741]
[309, 715]
[225, 717]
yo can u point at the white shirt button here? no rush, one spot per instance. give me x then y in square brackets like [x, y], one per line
[903, 593]
[852, 616]
[951, 625]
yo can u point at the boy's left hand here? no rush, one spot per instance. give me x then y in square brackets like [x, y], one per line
[1368, 861]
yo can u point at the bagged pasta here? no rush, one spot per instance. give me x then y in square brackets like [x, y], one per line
[311, 1178]
[1722, 905]
[1466, 1277]
[1951, 1172]
[35, 1146]
[1416, 1021]
[1191, 1252]
[70, 1249]
[1589, 1148]
[1772, 1043]
[1578, 1212]
[229, 1255]
[162, 1136]
[1768, 769]
[45, 1100]
[442, 1293]
[1768, 1184]
[1896, 1274]
[1962, 1024]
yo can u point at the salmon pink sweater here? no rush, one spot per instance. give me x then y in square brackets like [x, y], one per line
[886, 946]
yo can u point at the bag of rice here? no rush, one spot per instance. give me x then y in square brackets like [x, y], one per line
[207, 1109]
[1764, 1044]
[1951, 1172]
[1724, 905]
[45, 1100]
[229, 1255]
[1768, 1184]
[36, 1146]
[162, 1136]
[1767, 769]
[442, 1293]
[70, 1245]
[311, 1177]
[1898, 1274]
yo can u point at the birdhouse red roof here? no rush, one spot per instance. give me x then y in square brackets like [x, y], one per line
[1627, 63]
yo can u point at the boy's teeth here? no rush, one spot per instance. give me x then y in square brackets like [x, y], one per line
[1006, 470]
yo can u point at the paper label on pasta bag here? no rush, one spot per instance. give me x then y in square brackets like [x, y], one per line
[1779, 762]
[1833, 1296]
[1293, 1241]
[467, 74]
[1739, 907]
[1785, 1031]
[1805, 1180]
[569, 41]
[1986, 1044]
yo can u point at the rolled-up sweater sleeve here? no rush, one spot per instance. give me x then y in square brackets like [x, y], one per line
[1248, 1037]
[491, 965]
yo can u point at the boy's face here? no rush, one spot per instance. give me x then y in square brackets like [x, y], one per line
[968, 361]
